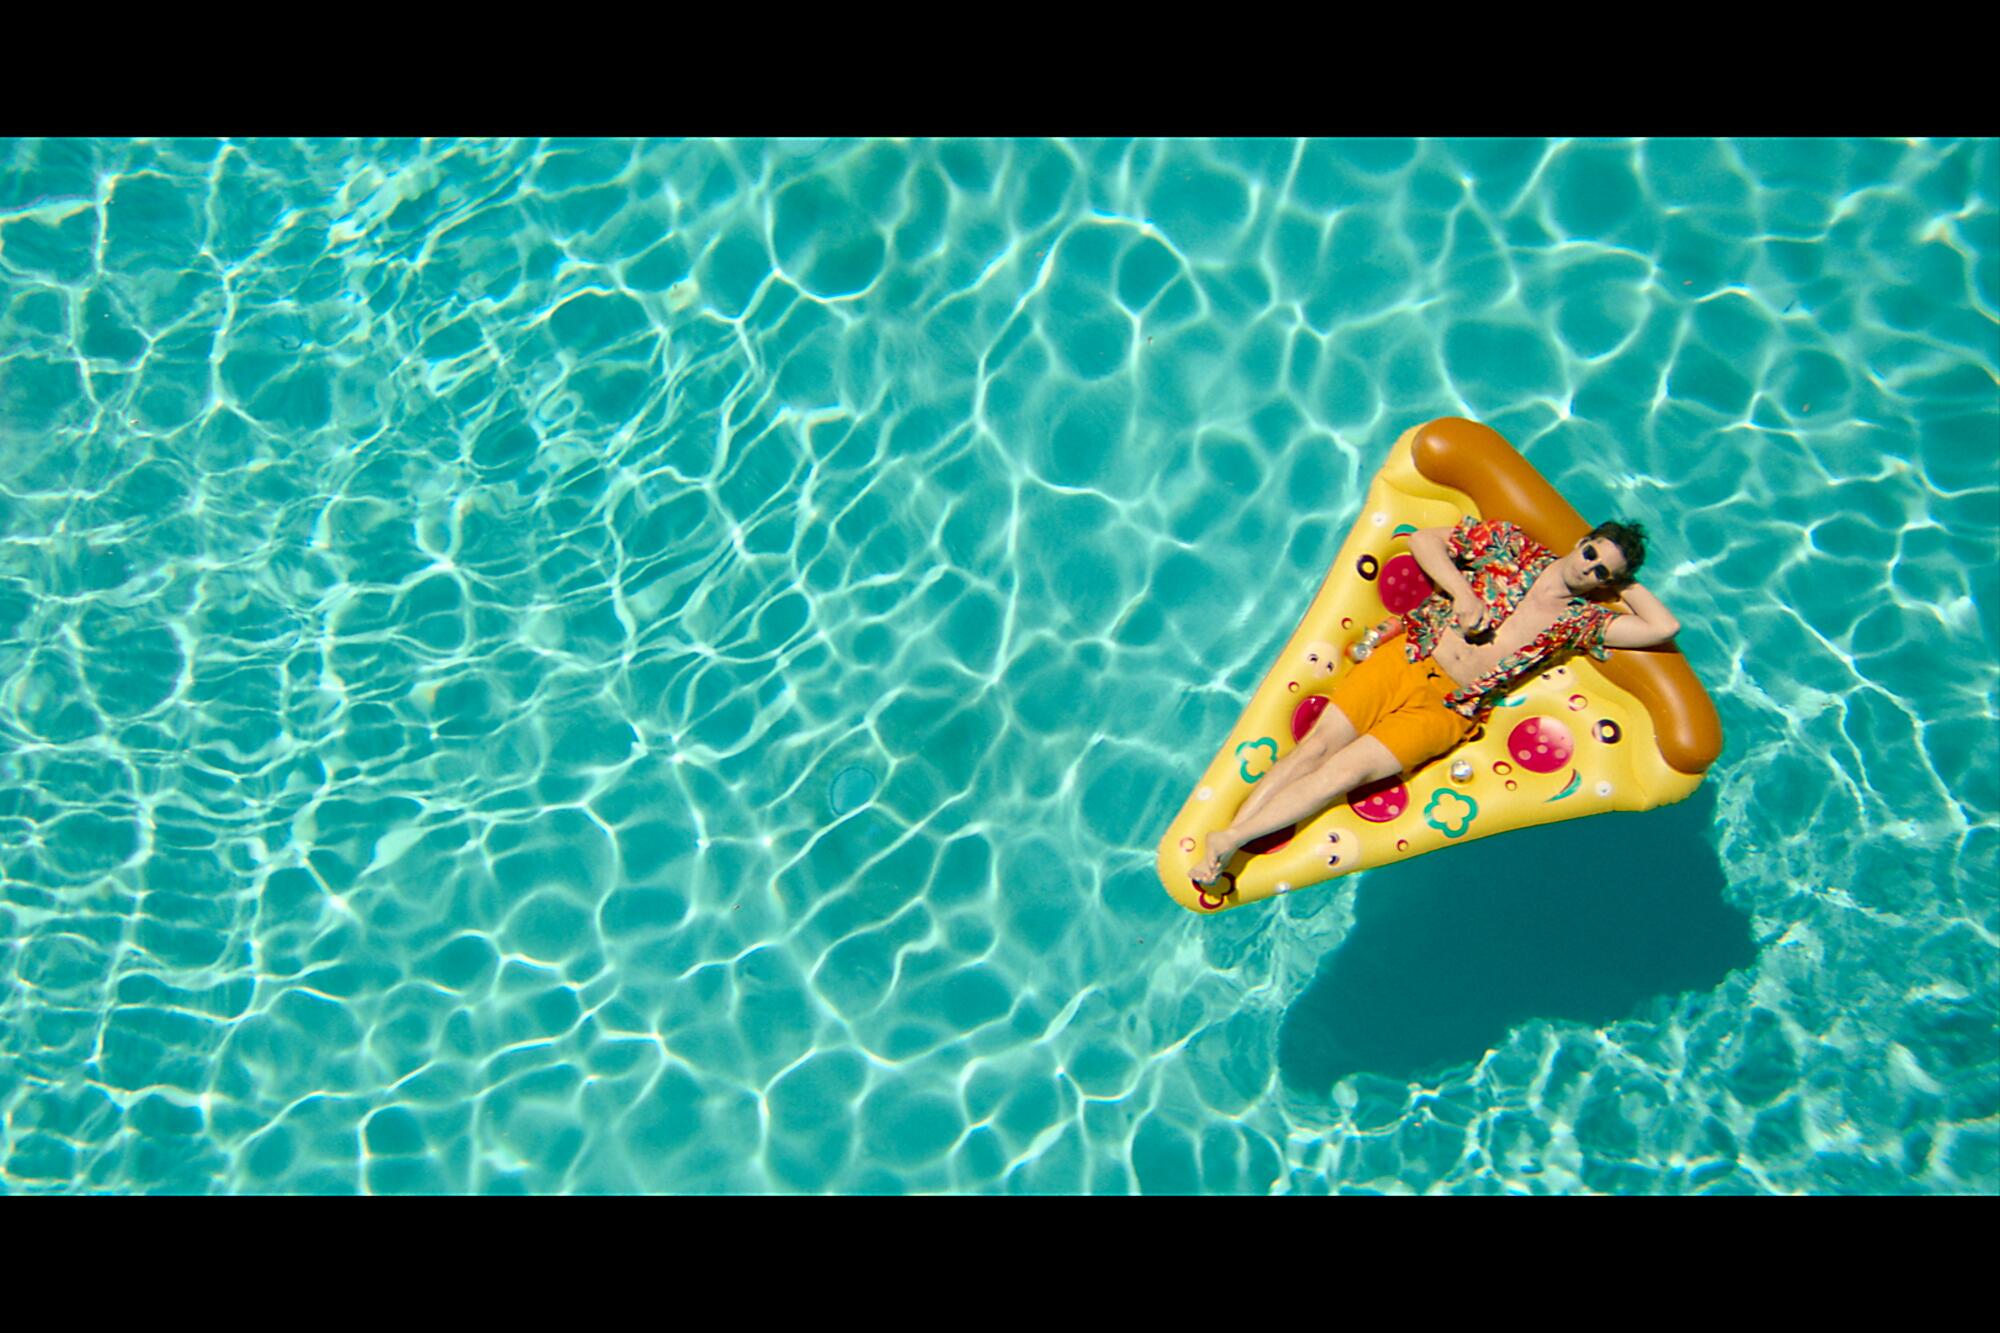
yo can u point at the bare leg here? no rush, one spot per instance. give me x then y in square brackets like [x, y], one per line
[1366, 760]
[1330, 735]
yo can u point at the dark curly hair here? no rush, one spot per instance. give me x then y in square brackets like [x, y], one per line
[1630, 539]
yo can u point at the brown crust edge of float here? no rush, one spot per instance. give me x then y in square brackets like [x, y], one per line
[1479, 461]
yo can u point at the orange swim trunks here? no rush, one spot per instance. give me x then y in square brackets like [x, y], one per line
[1401, 704]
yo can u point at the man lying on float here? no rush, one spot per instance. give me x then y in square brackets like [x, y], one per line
[1503, 607]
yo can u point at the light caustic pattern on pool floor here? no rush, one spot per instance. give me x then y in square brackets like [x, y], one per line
[605, 666]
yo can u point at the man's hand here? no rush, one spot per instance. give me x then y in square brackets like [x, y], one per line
[1470, 617]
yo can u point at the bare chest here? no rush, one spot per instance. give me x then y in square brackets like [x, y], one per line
[1467, 662]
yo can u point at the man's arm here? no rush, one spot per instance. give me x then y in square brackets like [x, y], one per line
[1649, 624]
[1428, 545]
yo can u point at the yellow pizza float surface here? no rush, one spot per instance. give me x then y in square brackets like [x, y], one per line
[1579, 738]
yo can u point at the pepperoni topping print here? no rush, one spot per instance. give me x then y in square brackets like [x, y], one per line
[1541, 745]
[1380, 802]
[1403, 585]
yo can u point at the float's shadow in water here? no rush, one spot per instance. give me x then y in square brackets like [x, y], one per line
[1582, 921]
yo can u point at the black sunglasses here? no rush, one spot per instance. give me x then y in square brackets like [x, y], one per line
[1590, 553]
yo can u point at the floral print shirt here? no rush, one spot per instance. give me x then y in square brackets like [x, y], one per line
[1501, 562]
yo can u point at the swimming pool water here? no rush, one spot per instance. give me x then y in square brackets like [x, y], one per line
[604, 666]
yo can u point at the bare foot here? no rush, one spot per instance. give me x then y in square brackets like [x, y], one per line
[1216, 851]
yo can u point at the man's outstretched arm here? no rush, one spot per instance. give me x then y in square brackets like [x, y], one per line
[1649, 624]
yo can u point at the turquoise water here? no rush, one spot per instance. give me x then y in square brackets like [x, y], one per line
[574, 667]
